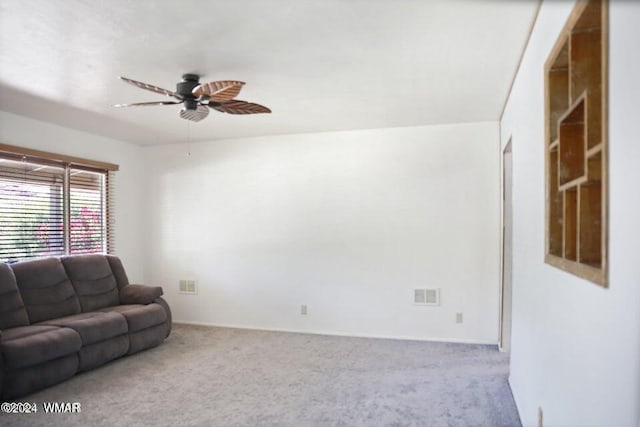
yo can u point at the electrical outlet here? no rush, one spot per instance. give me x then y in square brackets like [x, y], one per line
[458, 317]
[303, 309]
[540, 417]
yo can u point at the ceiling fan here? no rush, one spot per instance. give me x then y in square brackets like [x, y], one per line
[198, 98]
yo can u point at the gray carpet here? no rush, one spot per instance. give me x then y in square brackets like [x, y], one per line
[205, 376]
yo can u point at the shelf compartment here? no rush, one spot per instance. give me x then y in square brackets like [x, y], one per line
[594, 170]
[571, 224]
[555, 207]
[558, 95]
[591, 224]
[572, 143]
[590, 18]
[586, 76]
[585, 69]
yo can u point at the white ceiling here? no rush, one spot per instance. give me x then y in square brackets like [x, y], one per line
[320, 65]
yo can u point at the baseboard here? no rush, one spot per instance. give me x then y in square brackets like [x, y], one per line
[338, 334]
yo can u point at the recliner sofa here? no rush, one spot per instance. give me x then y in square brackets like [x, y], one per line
[61, 316]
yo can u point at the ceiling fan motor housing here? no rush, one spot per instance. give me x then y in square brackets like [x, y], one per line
[185, 88]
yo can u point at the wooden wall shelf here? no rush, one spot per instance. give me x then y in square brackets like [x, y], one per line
[576, 145]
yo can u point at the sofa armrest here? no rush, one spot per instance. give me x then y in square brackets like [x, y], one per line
[167, 310]
[139, 294]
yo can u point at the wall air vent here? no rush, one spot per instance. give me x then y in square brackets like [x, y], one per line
[188, 287]
[426, 296]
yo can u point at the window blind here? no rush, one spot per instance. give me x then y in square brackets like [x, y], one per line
[50, 207]
[110, 220]
[31, 210]
[87, 232]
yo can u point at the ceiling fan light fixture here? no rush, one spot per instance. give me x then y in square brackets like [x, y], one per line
[195, 115]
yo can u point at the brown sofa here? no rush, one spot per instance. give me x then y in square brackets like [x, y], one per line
[60, 316]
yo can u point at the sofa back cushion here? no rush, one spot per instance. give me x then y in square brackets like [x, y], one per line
[12, 310]
[46, 289]
[118, 271]
[92, 280]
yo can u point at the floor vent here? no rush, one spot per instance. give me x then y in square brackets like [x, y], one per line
[188, 287]
[426, 296]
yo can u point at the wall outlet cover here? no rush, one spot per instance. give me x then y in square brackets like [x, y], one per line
[540, 417]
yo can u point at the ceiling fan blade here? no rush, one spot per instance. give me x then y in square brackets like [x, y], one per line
[152, 88]
[147, 104]
[239, 107]
[220, 91]
[195, 115]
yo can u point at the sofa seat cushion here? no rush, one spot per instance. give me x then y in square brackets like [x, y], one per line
[140, 317]
[25, 346]
[94, 326]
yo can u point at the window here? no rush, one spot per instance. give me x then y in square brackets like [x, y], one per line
[53, 205]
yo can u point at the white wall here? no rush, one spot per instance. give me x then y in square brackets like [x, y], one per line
[26, 132]
[346, 222]
[575, 345]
